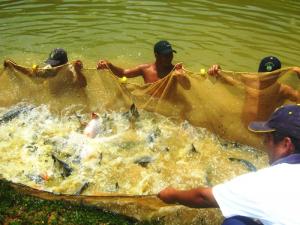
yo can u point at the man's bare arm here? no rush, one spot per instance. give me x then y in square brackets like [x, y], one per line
[80, 79]
[120, 72]
[290, 93]
[195, 198]
[10, 63]
[215, 71]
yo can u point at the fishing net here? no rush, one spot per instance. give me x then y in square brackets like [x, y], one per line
[224, 106]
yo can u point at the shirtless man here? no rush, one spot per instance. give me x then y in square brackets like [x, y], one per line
[151, 72]
[57, 59]
[261, 96]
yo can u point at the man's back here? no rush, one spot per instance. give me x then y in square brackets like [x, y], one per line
[270, 195]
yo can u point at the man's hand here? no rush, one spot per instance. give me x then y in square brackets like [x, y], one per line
[178, 66]
[79, 78]
[214, 70]
[78, 65]
[178, 70]
[7, 63]
[167, 195]
[103, 64]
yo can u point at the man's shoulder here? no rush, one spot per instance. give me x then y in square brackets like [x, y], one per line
[145, 66]
[268, 175]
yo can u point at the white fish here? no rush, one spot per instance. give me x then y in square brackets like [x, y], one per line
[93, 127]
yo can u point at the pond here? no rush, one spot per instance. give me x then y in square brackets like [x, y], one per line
[235, 34]
[49, 149]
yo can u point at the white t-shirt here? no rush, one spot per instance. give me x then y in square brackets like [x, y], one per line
[271, 195]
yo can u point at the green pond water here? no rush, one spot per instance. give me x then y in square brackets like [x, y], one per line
[233, 33]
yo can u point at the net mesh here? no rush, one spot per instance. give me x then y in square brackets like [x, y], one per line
[224, 105]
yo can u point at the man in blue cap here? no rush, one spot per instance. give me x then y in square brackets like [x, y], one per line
[150, 72]
[268, 196]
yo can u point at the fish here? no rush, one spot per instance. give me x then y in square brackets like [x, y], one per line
[117, 186]
[77, 159]
[67, 170]
[133, 113]
[105, 117]
[193, 149]
[166, 149]
[81, 123]
[15, 112]
[209, 174]
[100, 158]
[227, 144]
[246, 163]
[32, 147]
[150, 138]
[106, 124]
[93, 127]
[144, 161]
[82, 188]
[36, 178]
[208, 181]
[153, 135]
[57, 141]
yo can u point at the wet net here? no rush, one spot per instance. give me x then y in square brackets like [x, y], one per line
[223, 106]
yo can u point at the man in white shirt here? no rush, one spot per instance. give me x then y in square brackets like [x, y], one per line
[268, 196]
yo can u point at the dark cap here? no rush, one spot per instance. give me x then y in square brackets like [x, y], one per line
[163, 48]
[57, 57]
[269, 64]
[285, 119]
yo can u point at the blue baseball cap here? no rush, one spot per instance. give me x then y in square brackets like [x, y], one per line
[163, 48]
[285, 119]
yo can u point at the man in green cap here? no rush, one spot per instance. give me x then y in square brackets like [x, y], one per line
[150, 72]
[262, 96]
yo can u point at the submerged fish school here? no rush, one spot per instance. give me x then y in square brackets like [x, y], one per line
[149, 148]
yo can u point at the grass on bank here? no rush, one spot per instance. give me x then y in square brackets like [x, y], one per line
[18, 209]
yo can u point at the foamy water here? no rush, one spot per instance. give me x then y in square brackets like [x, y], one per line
[136, 157]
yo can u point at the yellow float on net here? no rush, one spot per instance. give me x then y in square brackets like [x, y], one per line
[202, 71]
[34, 67]
[123, 79]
